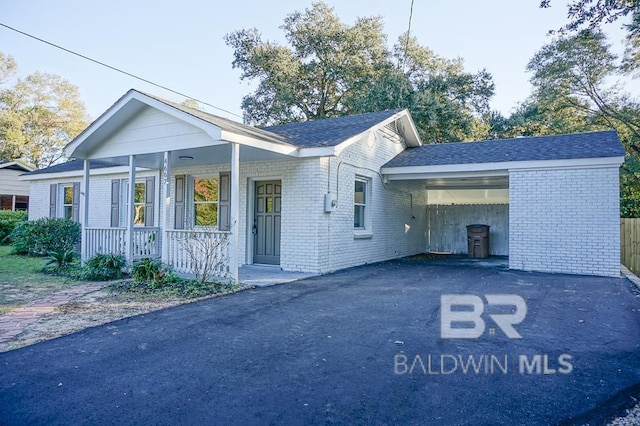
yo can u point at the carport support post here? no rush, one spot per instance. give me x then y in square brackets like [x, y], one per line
[234, 210]
[130, 211]
[166, 176]
[84, 194]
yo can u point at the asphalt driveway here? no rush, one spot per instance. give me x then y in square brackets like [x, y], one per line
[360, 346]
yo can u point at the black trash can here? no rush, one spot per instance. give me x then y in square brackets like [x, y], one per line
[478, 240]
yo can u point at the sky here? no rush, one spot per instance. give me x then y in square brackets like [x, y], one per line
[180, 44]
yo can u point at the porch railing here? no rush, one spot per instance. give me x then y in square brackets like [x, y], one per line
[105, 240]
[189, 250]
[114, 241]
[146, 242]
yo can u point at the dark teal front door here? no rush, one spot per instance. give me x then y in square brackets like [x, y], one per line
[266, 224]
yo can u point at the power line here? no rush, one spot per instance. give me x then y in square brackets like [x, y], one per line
[406, 45]
[116, 69]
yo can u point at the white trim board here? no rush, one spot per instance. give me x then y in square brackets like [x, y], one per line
[116, 170]
[498, 168]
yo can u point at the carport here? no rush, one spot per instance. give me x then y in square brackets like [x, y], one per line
[552, 202]
[455, 202]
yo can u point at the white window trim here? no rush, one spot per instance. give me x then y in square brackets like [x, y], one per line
[366, 232]
[190, 206]
[61, 204]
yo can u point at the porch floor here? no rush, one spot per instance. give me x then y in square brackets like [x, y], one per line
[266, 275]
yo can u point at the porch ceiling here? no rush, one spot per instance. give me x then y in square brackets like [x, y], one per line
[468, 190]
[487, 182]
[217, 154]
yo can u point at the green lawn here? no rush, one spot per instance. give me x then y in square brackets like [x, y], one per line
[22, 280]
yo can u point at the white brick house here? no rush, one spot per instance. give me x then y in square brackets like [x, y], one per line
[328, 194]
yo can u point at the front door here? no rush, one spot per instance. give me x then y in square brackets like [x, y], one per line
[266, 222]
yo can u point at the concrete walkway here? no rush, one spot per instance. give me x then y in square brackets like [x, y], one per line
[267, 275]
[15, 321]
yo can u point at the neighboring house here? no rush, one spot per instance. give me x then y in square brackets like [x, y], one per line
[329, 194]
[14, 193]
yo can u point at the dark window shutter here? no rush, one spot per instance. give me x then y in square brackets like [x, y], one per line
[149, 196]
[115, 203]
[180, 202]
[53, 192]
[224, 209]
[75, 206]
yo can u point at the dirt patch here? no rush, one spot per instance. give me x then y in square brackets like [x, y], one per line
[94, 309]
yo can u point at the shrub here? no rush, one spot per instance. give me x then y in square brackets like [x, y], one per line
[60, 260]
[39, 237]
[150, 271]
[8, 221]
[104, 267]
[175, 287]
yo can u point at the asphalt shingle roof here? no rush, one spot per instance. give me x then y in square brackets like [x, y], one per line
[223, 123]
[556, 147]
[329, 131]
[71, 166]
[307, 134]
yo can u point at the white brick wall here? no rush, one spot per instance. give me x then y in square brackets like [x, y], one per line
[39, 197]
[565, 221]
[302, 204]
[311, 240]
[397, 229]
[99, 196]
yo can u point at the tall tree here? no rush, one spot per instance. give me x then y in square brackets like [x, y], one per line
[311, 78]
[447, 103]
[592, 13]
[542, 115]
[574, 72]
[8, 67]
[329, 69]
[39, 115]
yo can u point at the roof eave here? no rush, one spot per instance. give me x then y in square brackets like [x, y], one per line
[408, 131]
[20, 164]
[74, 148]
[423, 172]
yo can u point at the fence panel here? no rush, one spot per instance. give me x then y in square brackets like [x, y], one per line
[630, 244]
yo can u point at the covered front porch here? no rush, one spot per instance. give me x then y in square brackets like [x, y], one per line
[152, 141]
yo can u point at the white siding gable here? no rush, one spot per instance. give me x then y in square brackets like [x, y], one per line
[151, 131]
[10, 184]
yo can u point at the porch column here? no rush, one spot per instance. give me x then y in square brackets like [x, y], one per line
[234, 210]
[13, 203]
[166, 176]
[84, 196]
[131, 210]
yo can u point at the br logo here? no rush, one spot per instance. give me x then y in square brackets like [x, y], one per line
[472, 315]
